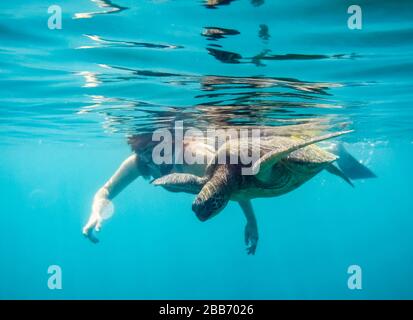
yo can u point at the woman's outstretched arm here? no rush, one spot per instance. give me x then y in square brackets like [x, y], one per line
[251, 229]
[126, 173]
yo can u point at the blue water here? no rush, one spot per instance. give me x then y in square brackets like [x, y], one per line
[69, 98]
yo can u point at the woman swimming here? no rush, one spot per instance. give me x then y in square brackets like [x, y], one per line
[141, 163]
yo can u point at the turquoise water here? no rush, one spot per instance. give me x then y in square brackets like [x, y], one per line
[69, 97]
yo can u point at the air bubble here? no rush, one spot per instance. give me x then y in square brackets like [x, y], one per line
[106, 209]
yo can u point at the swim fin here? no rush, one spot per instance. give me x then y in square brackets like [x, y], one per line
[350, 167]
[337, 172]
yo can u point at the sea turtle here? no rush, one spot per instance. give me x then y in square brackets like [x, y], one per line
[285, 163]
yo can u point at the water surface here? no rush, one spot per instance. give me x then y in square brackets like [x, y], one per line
[69, 97]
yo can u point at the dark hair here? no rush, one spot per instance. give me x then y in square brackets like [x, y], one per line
[141, 144]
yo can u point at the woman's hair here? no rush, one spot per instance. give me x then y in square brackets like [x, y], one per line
[142, 144]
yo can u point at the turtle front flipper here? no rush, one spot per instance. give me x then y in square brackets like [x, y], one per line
[216, 193]
[181, 182]
[262, 167]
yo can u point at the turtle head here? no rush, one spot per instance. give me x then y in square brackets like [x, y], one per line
[206, 206]
[216, 193]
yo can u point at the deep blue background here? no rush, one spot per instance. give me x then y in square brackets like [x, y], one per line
[62, 138]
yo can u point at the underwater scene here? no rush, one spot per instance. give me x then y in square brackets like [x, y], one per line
[106, 106]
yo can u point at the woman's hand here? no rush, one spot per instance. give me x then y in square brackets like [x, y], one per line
[251, 229]
[94, 224]
[102, 209]
[251, 237]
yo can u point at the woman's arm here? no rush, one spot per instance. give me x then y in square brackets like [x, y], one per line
[251, 229]
[126, 173]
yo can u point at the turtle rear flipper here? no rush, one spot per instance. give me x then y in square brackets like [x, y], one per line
[266, 162]
[181, 182]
